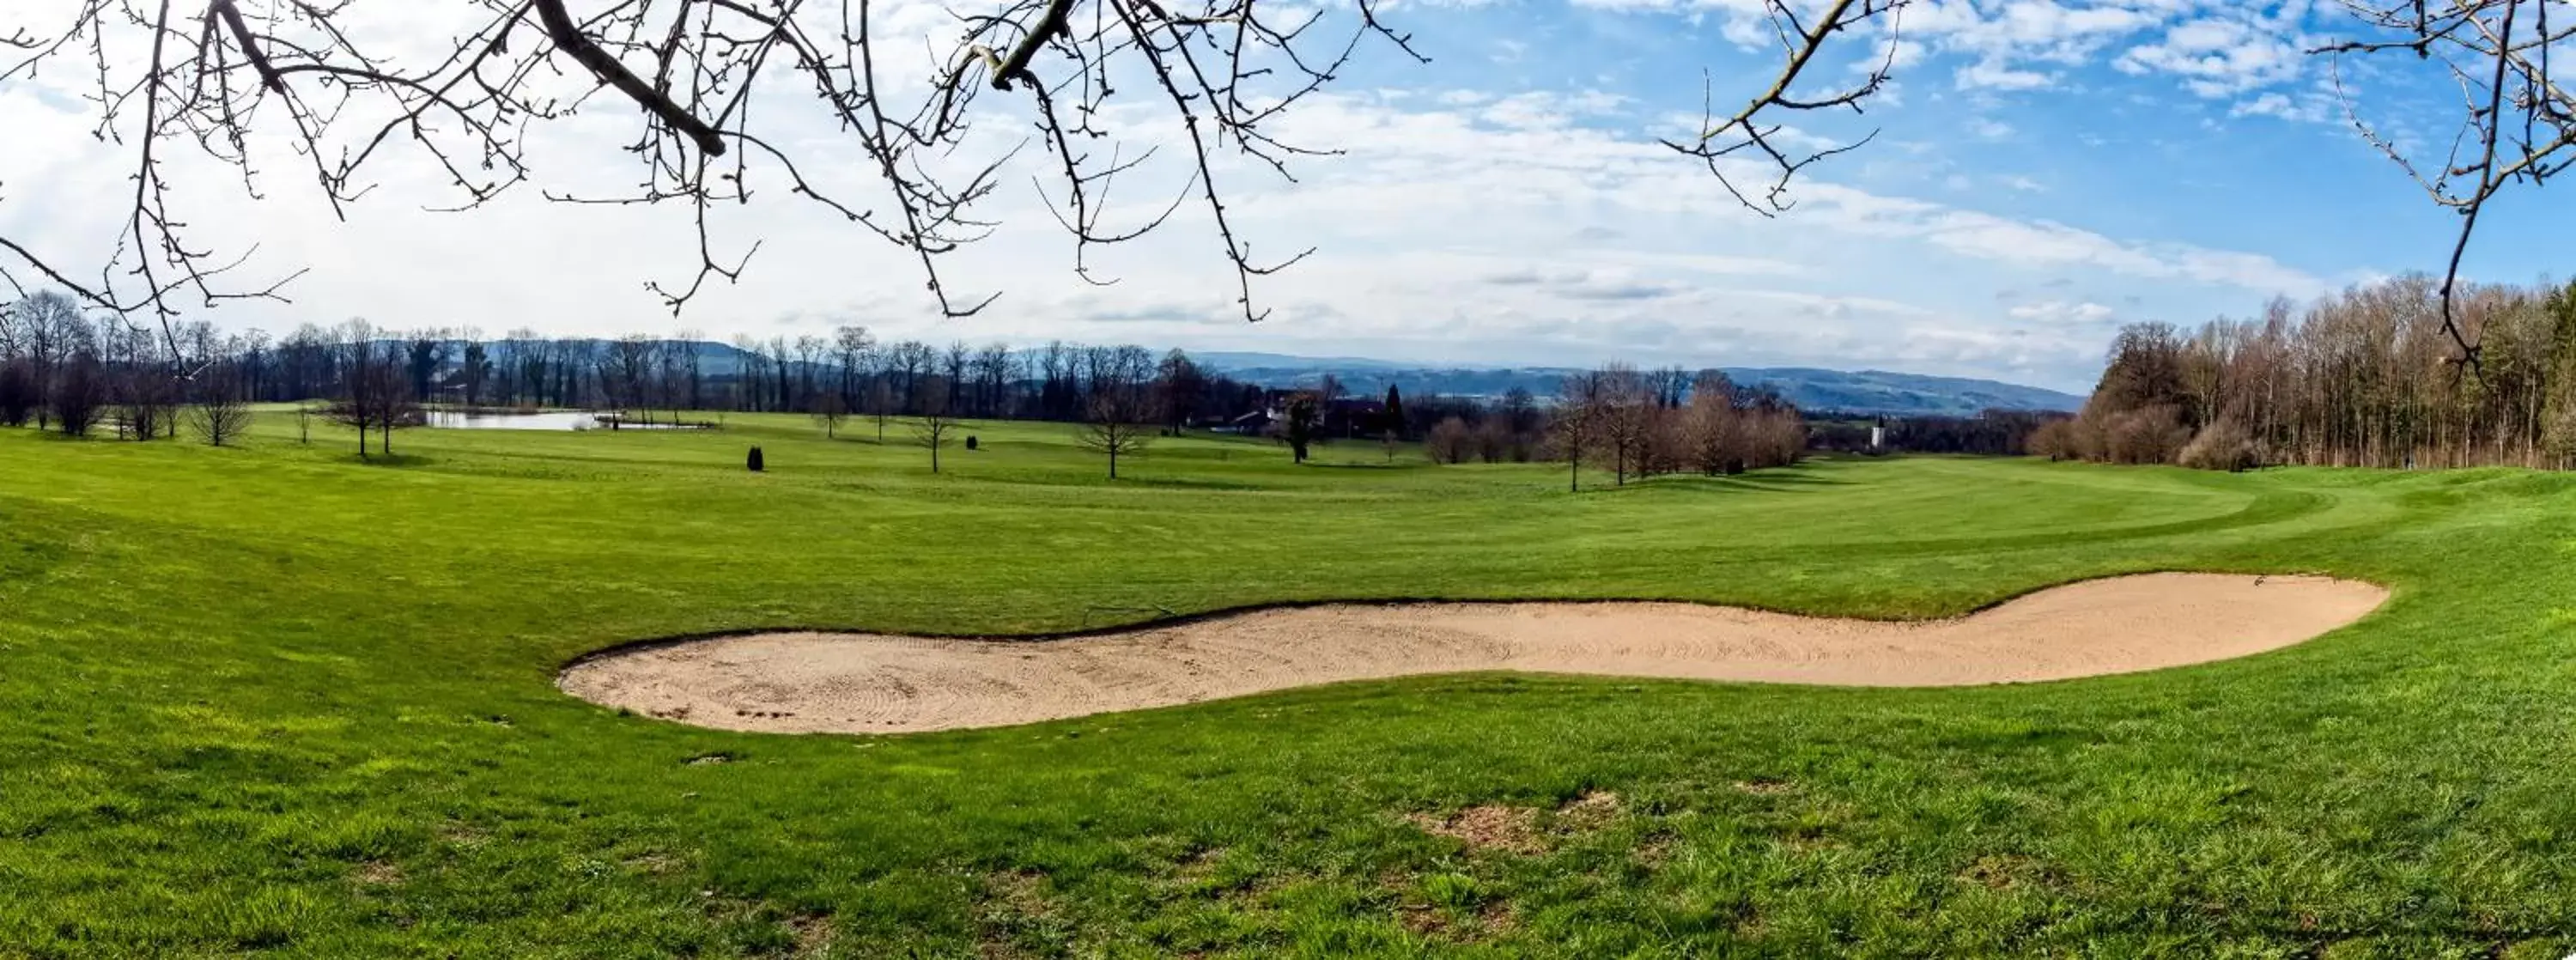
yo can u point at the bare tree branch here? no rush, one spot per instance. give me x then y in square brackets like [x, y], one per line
[162, 75]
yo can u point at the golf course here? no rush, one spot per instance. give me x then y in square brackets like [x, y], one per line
[274, 698]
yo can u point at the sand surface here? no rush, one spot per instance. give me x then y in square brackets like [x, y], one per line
[874, 683]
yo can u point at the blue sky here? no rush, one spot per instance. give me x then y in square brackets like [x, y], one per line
[2045, 170]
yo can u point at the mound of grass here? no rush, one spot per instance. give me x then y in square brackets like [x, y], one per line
[279, 699]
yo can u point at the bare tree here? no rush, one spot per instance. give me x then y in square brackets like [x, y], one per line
[1624, 417]
[880, 404]
[142, 385]
[48, 330]
[851, 347]
[2515, 123]
[931, 427]
[626, 373]
[209, 76]
[375, 392]
[2358, 378]
[222, 413]
[1449, 441]
[1179, 384]
[828, 412]
[993, 369]
[1713, 435]
[1577, 421]
[1119, 424]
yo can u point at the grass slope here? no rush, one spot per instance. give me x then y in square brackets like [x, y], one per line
[274, 699]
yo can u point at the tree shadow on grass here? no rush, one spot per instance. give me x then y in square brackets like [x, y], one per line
[1191, 483]
[391, 460]
[1772, 480]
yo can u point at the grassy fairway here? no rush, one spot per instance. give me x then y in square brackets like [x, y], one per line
[276, 699]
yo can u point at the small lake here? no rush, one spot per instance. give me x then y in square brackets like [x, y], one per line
[553, 420]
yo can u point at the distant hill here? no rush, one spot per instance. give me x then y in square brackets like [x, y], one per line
[1865, 391]
[1881, 391]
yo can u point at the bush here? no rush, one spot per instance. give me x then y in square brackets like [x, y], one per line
[970, 442]
[1450, 441]
[18, 394]
[755, 461]
[2145, 435]
[2225, 445]
[79, 397]
[2054, 440]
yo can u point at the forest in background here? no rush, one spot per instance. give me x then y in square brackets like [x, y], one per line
[65, 370]
[2365, 377]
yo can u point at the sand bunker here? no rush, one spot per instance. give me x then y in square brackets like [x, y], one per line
[873, 683]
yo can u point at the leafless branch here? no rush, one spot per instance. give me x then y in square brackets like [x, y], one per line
[1746, 140]
[222, 74]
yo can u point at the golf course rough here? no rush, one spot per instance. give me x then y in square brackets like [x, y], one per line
[800, 682]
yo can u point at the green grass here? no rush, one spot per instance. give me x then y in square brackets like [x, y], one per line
[275, 699]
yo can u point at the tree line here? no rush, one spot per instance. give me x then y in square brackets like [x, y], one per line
[2365, 377]
[1645, 423]
[1994, 432]
[60, 369]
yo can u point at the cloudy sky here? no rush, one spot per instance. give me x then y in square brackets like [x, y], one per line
[2045, 170]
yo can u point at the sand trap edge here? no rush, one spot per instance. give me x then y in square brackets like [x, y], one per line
[2380, 596]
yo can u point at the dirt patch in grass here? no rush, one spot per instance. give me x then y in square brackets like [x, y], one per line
[2005, 871]
[655, 864]
[1766, 787]
[1015, 912]
[1511, 829]
[378, 873]
[1486, 827]
[1491, 921]
[1589, 811]
[813, 933]
[875, 683]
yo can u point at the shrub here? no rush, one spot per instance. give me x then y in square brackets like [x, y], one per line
[18, 394]
[1450, 441]
[2054, 440]
[755, 461]
[970, 442]
[2225, 445]
[79, 397]
[2145, 435]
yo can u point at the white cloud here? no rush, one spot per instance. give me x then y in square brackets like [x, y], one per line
[2061, 311]
[1994, 75]
[2303, 107]
[2218, 56]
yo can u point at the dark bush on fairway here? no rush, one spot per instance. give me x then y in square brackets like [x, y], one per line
[79, 397]
[755, 462]
[18, 394]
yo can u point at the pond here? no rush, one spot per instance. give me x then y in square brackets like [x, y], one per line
[550, 420]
